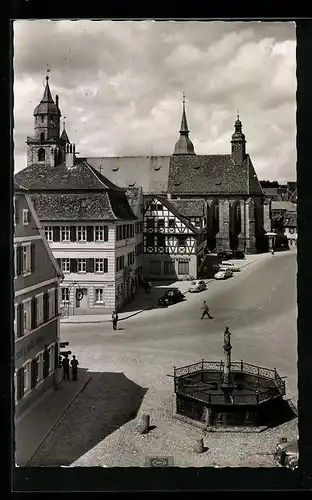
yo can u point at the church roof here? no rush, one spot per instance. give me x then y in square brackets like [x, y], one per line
[211, 174]
[64, 136]
[47, 105]
[43, 177]
[82, 206]
[190, 208]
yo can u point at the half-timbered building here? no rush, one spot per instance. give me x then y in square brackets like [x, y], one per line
[173, 246]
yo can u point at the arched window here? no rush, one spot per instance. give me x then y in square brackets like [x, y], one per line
[215, 217]
[41, 154]
[237, 218]
[42, 136]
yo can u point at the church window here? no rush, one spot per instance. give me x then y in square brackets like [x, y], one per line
[41, 154]
[42, 136]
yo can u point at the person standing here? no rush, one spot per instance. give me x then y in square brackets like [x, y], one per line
[65, 365]
[205, 311]
[74, 364]
[114, 320]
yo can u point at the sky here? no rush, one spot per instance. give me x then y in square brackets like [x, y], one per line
[120, 86]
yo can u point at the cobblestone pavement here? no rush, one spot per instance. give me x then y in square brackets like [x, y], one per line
[259, 305]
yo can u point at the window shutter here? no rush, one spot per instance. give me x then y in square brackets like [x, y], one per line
[19, 259]
[45, 363]
[56, 233]
[105, 265]
[73, 265]
[33, 313]
[29, 216]
[45, 306]
[57, 355]
[90, 265]
[73, 233]
[33, 374]
[89, 233]
[19, 323]
[56, 302]
[20, 383]
[106, 233]
[32, 256]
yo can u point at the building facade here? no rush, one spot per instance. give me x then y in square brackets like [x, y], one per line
[173, 246]
[290, 229]
[36, 320]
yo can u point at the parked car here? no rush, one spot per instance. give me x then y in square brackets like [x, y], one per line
[287, 453]
[223, 274]
[197, 286]
[238, 254]
[230, 265]
[225, 254]
[170, 297]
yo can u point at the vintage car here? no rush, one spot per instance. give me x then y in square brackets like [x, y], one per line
[287, 453]
[230, 265]
[170, 297]
[231, 254]
[223, 273]
[197, 286]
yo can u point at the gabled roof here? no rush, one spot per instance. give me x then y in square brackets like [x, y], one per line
[290, 219]
[107, 205]
[167, 203]
[288, 206]
[82, 176]
[213, 174]
[190, 208]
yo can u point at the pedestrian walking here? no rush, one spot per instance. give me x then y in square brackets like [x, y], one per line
[149, 286]
[205, 311]
[114, 320]
[65, 365]
[272, 251]
[74, 364]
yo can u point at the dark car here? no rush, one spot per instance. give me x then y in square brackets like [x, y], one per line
[239, 254]
[225, 254]
[170, 297]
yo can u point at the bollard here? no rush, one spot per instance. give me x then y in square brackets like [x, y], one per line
[199, 446]
[143, 424]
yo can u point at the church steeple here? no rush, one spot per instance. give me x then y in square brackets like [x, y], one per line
[238, 143]
[64, 135]
[184, 145]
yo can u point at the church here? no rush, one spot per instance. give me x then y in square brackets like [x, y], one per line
[216, 198]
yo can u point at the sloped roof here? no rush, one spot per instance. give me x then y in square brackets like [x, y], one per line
[150, 172]
[290, 219]
[135, 199]
[79, 206]
[38, 177]
[288, 206]
[167, 203]
[189, 208]
[213, 174]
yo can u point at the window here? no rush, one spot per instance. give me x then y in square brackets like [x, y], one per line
[48, 231]
[169, 267]
[51, 303]
[160, 224]
[181, 241]
[291, 230]
[150, 222]
[15, 261]
[153, 207]
[25, 216]
[51, 357]
[41, 155]
[159, 207]
[101, 233]
[150, 240]
[99, 295]
[101, 265]
[65, 233]
[155, 267]
[26, 327]
[26, 253]
[65, 294]
[42, 134]
[183, 267]
[39, 309]
[171, 223]
[27, 376]
[130, 258]
[65, 265]
[15, 320]
[81, 233]
[39, 367]
[82, 265]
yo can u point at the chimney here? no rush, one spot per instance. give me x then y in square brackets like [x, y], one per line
[70, 155]
[57, 101]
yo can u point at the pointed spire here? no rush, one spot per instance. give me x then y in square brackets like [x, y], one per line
[184, 128]
[64, 135]
[47, 97]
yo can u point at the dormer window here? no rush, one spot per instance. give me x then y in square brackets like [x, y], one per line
[41, 154]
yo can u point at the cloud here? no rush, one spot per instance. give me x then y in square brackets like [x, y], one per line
[120, 86]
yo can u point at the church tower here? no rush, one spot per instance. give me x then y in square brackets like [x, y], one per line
[46, 146]
[238, 143]
[184, 145]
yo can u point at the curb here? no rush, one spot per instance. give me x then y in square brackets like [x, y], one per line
[58, 419]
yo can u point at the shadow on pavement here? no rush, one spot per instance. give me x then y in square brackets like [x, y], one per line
[143, 300]
[107, 403]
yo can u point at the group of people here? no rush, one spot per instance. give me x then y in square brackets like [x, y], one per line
[66, 367]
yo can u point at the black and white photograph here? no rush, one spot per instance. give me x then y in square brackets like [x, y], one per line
[155, 244]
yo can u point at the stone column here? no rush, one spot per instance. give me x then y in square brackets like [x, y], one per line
[267, 224]
[250, 227]
[223, 236]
